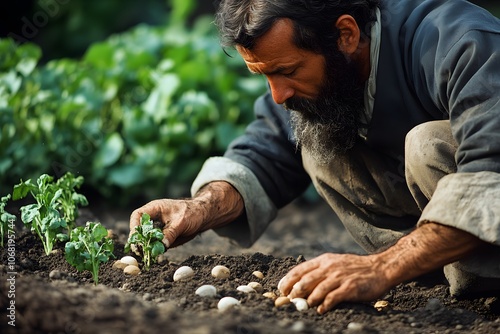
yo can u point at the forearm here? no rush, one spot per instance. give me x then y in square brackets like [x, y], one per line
[219, 203]
[429, 247]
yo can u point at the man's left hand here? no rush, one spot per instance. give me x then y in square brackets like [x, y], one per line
[330, 279]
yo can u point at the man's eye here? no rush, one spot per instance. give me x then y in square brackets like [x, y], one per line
[290, 73]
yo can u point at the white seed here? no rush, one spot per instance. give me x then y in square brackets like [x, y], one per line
[300, 304]
[226, 303]
[221, 272]
[129, 260]
[258, 274]
[132, 270]
[206, 291]
[280, 301]
[256, 286]
[119, 265]
[245, 289]
[270, 295]
[183, 273]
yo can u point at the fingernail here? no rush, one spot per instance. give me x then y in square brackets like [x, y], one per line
[166, 242]
[280, 283]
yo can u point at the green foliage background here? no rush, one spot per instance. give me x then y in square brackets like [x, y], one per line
[137, 115]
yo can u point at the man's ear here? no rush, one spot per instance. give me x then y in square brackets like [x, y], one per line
[349, 34]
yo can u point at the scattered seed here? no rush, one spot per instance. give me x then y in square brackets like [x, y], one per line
[119, 265]
[256, 286]
[245, 289]
[206, 291]
[226, 303]
[258, 274]
[381, 305]
[221, 272]
[129, 260]
[280, 301]
[182, 273]
[270, 295]
[132, 270]
[300, 304]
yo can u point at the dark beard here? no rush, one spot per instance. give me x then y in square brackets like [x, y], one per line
[329, 124]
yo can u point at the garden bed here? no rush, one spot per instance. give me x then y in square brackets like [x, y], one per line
[52, 297]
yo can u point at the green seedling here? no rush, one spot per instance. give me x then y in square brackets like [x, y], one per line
[148, 240]
[6, 218]
[88, 247]
[70, 199]
[42, 217]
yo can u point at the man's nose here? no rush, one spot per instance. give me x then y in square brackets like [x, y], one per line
[280, 91]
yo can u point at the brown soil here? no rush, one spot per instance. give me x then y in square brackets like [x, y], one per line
[52, 297]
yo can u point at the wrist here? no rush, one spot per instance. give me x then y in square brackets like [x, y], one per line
[219, 203]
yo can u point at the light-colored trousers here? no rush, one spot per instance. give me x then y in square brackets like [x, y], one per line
[379, 198]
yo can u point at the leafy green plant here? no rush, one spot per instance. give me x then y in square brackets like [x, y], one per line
[70, 200]
[88, 248]
[148, 240]
[141, 110]
[42, 217]
[56, 207]
[5, 218]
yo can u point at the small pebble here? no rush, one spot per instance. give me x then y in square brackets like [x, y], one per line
[183, 273]
[132, 270]
[206, 291]
[433, 305]
[280, 301]
[221, 272]
[256, 286]
[130, 260]
[258, 274]
[227, 303]
[300, 304]
[56, 274]
[245, 289]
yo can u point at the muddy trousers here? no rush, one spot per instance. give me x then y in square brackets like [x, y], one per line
[379, 198]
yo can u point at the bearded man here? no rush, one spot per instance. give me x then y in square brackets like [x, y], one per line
[392, 109]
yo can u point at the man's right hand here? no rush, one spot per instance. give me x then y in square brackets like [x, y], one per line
[215, 205]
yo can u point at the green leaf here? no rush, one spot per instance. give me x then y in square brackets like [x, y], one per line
[158, 249]
[109, 152]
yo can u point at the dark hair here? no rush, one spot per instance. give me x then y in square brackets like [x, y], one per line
[242, 22]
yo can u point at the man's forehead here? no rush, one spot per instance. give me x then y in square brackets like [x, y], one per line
[274, 47]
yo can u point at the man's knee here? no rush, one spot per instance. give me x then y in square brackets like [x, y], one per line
[429, 155]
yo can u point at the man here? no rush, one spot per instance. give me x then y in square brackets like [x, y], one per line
[392, 109]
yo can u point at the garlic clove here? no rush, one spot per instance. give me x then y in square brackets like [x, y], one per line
[226, 303]
[281, 301]
[130, 260]
[256, 286]
[221, 272]
[119, 265]
[258, 274]
[270, 295]
[300, 304]
[245, 289]
[132, 270]
[183, 273]
[206, 291]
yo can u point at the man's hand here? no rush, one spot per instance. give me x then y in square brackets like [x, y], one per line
[215, 205]
[334, 278]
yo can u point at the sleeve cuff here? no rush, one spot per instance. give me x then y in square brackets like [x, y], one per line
[469, 202]
[260, 210]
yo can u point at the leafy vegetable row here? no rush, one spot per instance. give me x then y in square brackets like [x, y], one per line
[137, 115]
[52, 218]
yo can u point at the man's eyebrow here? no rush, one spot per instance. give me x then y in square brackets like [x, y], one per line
[277, 70]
